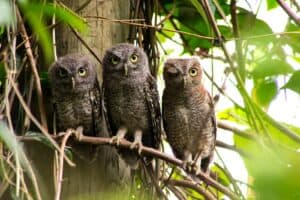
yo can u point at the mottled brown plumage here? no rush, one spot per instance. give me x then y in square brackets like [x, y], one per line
[131, 98]
[188, 112]
[76, 94]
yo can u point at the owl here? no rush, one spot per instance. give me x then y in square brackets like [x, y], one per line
[188, 113]
[131, 99]
[76, 95]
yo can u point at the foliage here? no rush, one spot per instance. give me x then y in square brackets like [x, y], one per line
[256, 58]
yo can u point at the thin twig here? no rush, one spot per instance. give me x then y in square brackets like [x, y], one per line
[59, 180]
[158, 28]
[289, 11]
[32, 62]
[35, 121]
[85, 44]
[155, 153]
[146, 151]
[190, 184]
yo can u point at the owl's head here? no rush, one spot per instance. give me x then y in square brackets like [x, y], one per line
[185, 72]
[125, 60]
[72, 73]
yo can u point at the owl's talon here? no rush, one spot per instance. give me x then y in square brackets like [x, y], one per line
[120, 135]
[115, 140]
[138, 145]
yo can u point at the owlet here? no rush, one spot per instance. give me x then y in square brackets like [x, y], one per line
[131, 99]
[76, 95]
[188, 113]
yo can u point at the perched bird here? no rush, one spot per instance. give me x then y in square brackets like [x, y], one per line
[76, 98]
[76, 95]
[131, 99]
[188, 113]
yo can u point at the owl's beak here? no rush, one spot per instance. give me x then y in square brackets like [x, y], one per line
[73, 83]
[125, 69]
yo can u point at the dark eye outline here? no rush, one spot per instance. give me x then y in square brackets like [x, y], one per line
[193, 72]
[82, 71]
[114, 60]
[62, 73]
[134, 58]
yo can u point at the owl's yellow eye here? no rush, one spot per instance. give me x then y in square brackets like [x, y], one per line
[62, 73]
[193, 72]
[114, 60]
[82, 71]
[134, 58]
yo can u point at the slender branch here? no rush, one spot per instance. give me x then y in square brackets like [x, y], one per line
[145, 151]
[297, 4]
[223, 125]
[189, 184]
[32, 62]
[289, 11]
[85, 44]
[35, 121]
[158, 28]
[61, 163]
[238, 43]
[155, 153]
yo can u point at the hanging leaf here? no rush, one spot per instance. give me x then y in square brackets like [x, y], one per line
[264, 91]
[294, 82]
[271, 67]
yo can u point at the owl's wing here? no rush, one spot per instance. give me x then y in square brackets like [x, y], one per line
[212, 117]
[105, 115]
[152, 98]
[95, 98]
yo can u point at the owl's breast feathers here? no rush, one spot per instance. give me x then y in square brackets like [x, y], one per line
[79, 109]
[134, 105]
[188, 120]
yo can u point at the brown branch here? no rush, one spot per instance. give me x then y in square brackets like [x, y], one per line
[85, 44]
[223, 125]
[289, 11]
[158, 28]
[59, 180]
[32, 62]
[155, 153]
[296, 4]
[148, 152]
[35, 121]
[190, 184]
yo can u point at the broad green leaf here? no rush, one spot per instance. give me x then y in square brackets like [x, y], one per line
[32, 13]
[202, 13]
[293, 40]
[271, 67]
[264, 91]
[250, 26]
[294, 82]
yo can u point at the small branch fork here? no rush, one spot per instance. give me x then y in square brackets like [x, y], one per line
[145, 151]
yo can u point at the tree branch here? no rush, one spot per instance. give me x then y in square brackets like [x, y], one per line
[145, 151]
[189, 184]
[289, 11]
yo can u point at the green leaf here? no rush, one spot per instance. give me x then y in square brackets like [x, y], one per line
[264, 91]
[294, 82]
[202, 13]
[271, 4]
[250, 26]
[271, 67]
